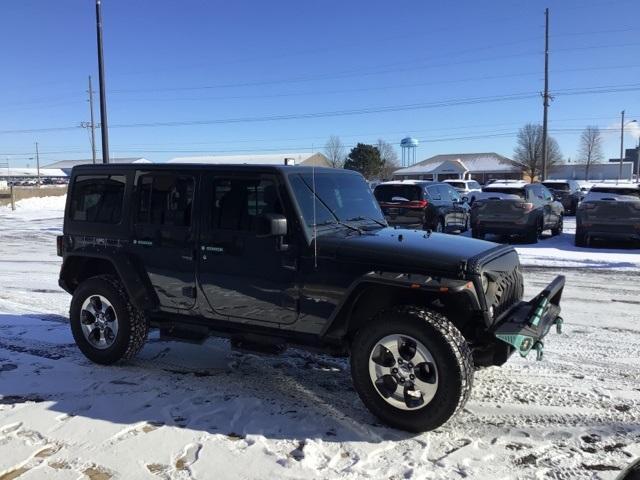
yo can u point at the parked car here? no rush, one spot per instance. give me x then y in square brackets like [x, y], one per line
[567, 192]
[466, 188]
[609, 211]
[516, 208]
[275, 255]
[423, 205]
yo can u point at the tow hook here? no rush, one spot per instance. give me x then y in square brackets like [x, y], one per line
[559, 321]
[539, 348]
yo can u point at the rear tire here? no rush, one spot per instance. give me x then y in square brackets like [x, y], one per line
[534, 233]
[105, 325]
[447, 377]
[559, 226]
[580, 239]
[477, 233]
[440, 226]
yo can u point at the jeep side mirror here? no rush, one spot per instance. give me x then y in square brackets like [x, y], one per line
[465, 199]
[271, 225]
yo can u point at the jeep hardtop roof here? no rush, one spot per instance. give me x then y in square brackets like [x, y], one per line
[206, 167]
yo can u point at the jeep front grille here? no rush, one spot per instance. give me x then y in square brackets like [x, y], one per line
[507, 290]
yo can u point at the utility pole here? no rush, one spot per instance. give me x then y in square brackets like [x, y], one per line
[103, 100]
[621, 145]
[545, 95]
[93, 125]
[38, 163]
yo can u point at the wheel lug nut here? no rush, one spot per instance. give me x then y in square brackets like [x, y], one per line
[400, 361]
[401, 380]
[412, 377]
[394, 370]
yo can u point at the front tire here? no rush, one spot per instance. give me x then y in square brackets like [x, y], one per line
[412, 368]
[105, 325]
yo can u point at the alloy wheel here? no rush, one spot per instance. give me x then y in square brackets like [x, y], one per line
[99, 321]
[403, 372]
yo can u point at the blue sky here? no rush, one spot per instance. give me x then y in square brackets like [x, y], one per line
[232, 65]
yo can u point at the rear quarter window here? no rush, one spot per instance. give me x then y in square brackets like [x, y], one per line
[520, 192]
[97, 198]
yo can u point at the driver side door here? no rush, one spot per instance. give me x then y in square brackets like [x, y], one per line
[247, 276]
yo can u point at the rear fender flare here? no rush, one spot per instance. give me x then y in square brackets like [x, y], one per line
[74, 270]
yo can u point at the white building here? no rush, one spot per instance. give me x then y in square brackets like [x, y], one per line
[309, 159]
[67, 165]
[477, 166]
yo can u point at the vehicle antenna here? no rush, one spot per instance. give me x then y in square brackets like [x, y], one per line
[315, 226]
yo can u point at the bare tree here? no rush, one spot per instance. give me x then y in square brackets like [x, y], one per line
[528, 151]
[335, 151]
[389, 158]
[591, 147]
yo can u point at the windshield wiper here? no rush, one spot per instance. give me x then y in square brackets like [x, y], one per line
[337, 220]
[355, 219]
[340, 222]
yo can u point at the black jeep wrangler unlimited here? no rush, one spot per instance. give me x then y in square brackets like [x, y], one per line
[274, 255]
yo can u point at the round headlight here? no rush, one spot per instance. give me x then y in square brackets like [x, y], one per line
[485, 283]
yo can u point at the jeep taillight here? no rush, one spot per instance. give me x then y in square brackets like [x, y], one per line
[417, 204]
[526, 206]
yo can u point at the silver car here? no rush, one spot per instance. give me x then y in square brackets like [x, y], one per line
[609, 212]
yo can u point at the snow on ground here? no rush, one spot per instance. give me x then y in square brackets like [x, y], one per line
[183, 411]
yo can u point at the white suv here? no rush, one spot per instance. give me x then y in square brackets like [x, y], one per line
[466, 188]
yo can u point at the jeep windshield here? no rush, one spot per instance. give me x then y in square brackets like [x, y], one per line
[341, 198]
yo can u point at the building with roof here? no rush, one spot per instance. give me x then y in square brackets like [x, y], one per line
[477, 166]
[67, 165]
[630, 155]
[308, 159]
[597, 171]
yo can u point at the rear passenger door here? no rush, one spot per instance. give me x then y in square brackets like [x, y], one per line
[164, 235]
[458, 214]
[553, 206]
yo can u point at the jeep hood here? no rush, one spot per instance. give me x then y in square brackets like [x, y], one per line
[413, 251]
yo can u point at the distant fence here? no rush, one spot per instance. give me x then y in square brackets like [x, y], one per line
[20, 193]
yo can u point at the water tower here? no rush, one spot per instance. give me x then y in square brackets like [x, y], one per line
[409, 146]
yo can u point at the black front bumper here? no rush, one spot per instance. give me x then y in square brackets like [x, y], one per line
[525, 324]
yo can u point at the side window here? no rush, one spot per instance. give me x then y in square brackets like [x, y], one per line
[237, 203]
[546, 194]
[474, 185]
[446, 192]
[164, 200]
[452, 193]
[434, 192]
[98, 198]
[536, 192]
[532, 194]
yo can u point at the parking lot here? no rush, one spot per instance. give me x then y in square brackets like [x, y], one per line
[188, 409]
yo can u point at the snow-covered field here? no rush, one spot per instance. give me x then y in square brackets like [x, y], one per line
[186, 411]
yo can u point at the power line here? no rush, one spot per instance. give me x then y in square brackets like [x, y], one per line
[358, 111]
